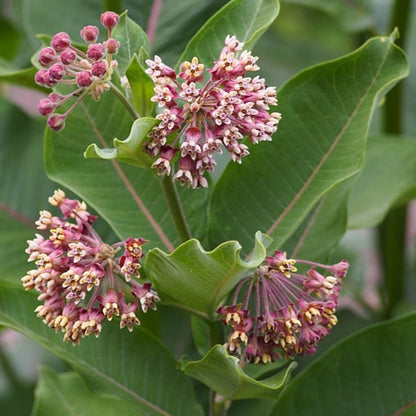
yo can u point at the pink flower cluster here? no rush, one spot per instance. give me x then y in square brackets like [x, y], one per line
[283, 313]
[199, 120]
[79, 277]
[65, 64]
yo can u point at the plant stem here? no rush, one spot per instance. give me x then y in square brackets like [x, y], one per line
[175, 207]
[9, 370]
[216, 408]
[392, 231]
[122, 98]
[154, 17]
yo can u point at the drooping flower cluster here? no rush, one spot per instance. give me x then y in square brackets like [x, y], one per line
[283, 313]
[65, 64]
[198, 119]
[79, 277]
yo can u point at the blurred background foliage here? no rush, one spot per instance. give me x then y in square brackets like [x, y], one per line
[306, 32]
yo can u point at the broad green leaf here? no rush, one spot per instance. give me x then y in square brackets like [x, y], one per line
[130, 199]
[222, 373]
[353, 17]
[9, 39]
[22, 77]
[323, 227]
[66, 394]
[198, 280]
[141, 86]
[321, 141]
[134, 367]
[24, 188]
[246, 19]
[131, 38]
[389, 175]
[369, 373]
[129, 150]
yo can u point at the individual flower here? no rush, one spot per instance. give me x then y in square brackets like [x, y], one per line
[201, 119]
[282, 313]
[79, 278]
[64, 64]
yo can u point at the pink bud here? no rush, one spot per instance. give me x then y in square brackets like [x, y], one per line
[340, 269]
[60, 41]
[89, 33]
[109, 19]
[99, 69]
[56, 72]
[56, 121]
[55, 97]
[84, 79]
[40, 77]
[111, 46]
[47, 56]
[46, 106]
[68, 56]
[95, 51]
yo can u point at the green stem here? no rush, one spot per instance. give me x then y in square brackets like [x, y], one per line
[9, 370]
[169, 188]
[216, 407]
[392, 231]
[176, 210]
[126, 103]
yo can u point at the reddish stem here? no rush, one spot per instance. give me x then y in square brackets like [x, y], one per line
[154, 17]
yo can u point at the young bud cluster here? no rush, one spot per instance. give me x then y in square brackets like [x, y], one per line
[80, 278]
[199, 120]
[283, 313]
[64, 64]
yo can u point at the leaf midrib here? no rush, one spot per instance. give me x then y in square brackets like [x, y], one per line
[325, 157]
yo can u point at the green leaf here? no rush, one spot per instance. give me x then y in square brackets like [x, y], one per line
[24, 188]
[134, 368]
[323, 227]
[66, 395]
[22, 77]
[321, 141]
[388, 176]
[129, 150]
[222, 373]
[132, 38]
[197, 280]
[141, 87]
[9, 39]
[129, 199]
[246, 19]
[353, 17]
[369, 373]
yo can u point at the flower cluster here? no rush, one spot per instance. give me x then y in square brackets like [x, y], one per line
[283, 313]
[199, 120]
[79, 277]
[65, 64]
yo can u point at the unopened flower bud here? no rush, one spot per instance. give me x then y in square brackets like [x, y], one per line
[68, 56]
[47, 56]
[109, 19]
[56, 121]
[111, 46]
[40, 77]
[84, 79]
[46, 106]
[99, 69]
[60, 41]
[95, 51]
[89, 33]
[56, 72]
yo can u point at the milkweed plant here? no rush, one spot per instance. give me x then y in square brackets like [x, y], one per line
[186, 262]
